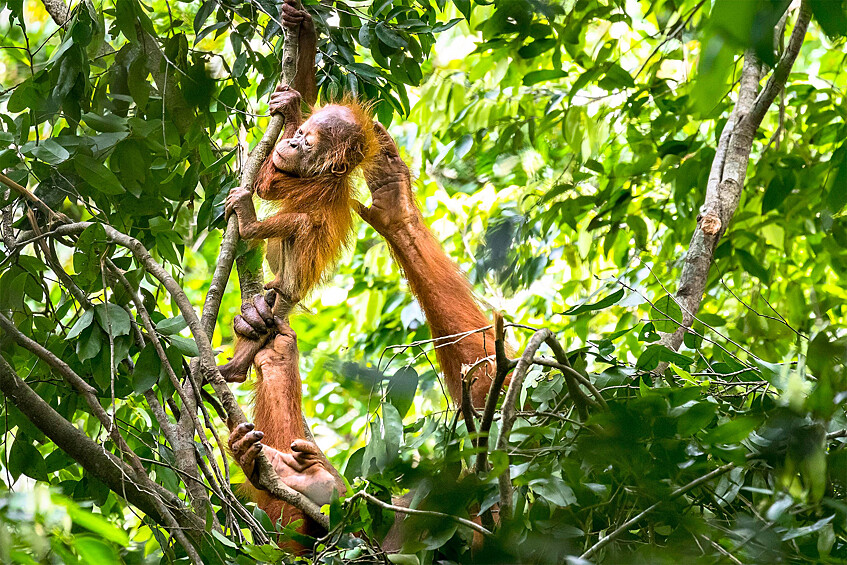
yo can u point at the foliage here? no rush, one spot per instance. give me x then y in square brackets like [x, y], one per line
[561, 153]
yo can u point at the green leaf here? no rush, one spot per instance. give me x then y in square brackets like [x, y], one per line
[693, 417]
[390, 37]
[779, 187]
[83, 322]
[649, 358]
[401, 389]
[171, 326]
[831, 16]
[95, 523]
[599, 305]
[536, 48]
[534, 77]
[185, 345]
[393, 431]
[203, 14]
[25, 459]
[93, 550]
[464, 6]
[733, 431]
[554, 490]
[97, 175]
[666, 314]
[47, 150]
[112, 315]
[148, 366]
[105, 122]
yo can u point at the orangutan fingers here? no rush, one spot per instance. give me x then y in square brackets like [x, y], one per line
[291, 14]
[270, 298]
[244, 328]
[241, 447]
[284, 329]
[362, 210]
[264, 311]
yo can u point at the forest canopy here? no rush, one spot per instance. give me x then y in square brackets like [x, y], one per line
[646, 197]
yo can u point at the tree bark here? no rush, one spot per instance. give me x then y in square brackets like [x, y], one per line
[726, 178]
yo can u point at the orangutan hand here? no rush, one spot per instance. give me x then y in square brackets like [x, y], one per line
[302, 470]
[237, 200]
[292, 17]
[393, 204]
[286, 101]
[282, 349]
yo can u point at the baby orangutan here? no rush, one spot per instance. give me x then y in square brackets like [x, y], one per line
[308, 175]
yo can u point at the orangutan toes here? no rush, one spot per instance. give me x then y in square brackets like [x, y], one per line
[245, 445]
[253, 327]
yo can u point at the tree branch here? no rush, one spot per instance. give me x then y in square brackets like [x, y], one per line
[414, 511]
[155, 501]
[508, 418]
[602, 542]
[726, 178]
[502, 368]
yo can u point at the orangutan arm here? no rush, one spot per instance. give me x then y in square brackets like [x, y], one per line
[444, 293]
[281, 224]
[297, 20]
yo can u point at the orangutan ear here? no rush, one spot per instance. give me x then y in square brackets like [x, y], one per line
[339, 169]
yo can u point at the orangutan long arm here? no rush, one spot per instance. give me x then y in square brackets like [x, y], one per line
[447, 300]
[444, 293]
[304, 80]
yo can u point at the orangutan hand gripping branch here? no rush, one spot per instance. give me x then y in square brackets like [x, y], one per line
[308, 176]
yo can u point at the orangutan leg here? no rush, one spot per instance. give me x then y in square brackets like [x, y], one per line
[253, 327]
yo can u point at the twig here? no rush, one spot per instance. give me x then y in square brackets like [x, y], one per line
[502, 368]
[414, 511]
[602, 542]
[29, 196]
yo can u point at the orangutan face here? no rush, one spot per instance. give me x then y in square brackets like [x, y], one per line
[319, 145]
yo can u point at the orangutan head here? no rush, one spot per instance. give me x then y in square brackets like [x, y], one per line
[333, 141]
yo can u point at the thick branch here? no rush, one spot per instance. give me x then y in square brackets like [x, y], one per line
[508, 418]
[726, 178]
[154, 500]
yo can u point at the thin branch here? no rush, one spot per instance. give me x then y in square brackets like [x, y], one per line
[502, 368]
[29, 196]
[415, 512]
[605, 540]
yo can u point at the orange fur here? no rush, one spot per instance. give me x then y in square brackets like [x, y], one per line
[277, 413]
[326, 198]
[314, 222]
[447, 300]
